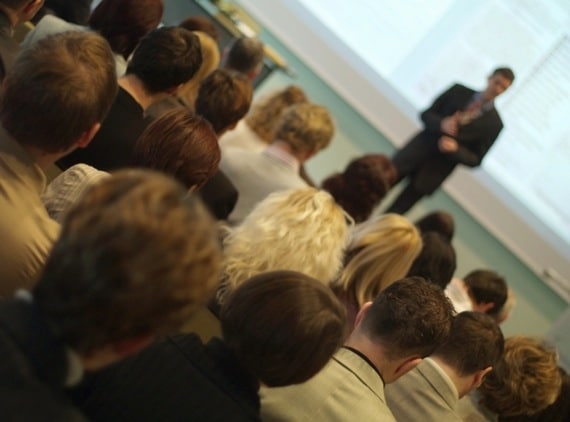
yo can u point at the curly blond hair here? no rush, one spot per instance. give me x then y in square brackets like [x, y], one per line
[526, 380]
[300, 230]
[381, 251]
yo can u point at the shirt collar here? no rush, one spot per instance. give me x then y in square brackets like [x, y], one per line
[368, 361]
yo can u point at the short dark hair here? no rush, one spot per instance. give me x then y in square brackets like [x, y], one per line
[181, 145]
[14, 4]
[224, 98]
[202, 24]
[136, 256]
[45, 101]
[507, 72]
[245, 55]
[165, 58]
[436, 261]
[283, 326]
[409, 317]
[123, 23]
[437, 221]
[486, 286]
[475, 342]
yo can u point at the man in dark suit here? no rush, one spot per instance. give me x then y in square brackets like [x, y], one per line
[459, 128]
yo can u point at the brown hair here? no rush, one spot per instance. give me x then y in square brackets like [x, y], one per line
[283, 326]
[409, 317]
[525, 381]
[202, 24]
[224, 98]
[266, 112]
[58, 89]
[245, 55]
[165, 58]
[437, 221]
[436, 261]
[487, 286]
[474, 343]
[181, 145]
[361, 187]
[124, 22]
[305, 128]
[135, 257]
[506, 72]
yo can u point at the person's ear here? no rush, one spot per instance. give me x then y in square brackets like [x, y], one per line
[406, 366]
[128, 347]
[485, 307]
[88, 135]
[361, 313]
[479, 377]
[31, 8]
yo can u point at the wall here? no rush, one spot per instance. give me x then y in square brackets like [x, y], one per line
[537, 306]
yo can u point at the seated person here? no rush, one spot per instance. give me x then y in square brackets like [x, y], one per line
[362, 185]
[405, 323]
[436, 261]
[525, 381]
[245, 55]
[437, 221]
[302, 132]
[135, 258]
[380, 251]
[181, 379]
[432, 389]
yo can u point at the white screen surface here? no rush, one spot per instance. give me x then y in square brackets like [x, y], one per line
[390, 58]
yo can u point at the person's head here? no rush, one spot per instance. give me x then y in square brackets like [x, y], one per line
[19, 11]
[66, 10]
[45, 104]
[498, 82]
[210, 61]
[300, 230]
[124, 22]
[245, 55]
[223, 99]
[474, 346]
[488, 291]
[405, 323]
[305, 128]
[265, 113]
[437, 221]
[165, 58]
[135, 258]
[360, 188]
[525, 381]
[283, 326]
[201, 24]
[181, 145]
[381, 251]
[436, 261]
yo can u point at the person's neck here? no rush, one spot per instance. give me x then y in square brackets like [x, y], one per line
[42, 158]
[284, 146]
[135, 87]
[463, 385]
[371, 350]
[10, 14]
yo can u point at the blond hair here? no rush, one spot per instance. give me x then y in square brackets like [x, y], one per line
[381, 251]
[188, 92]
[526, 380]
[266, 112]
[299, 230]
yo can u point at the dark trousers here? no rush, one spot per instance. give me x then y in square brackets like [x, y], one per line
[405, 200]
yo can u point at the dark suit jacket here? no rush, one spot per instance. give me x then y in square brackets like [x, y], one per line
[219, 195]
[179, 379]
[33, 366]
[421, 159]
[8, 47]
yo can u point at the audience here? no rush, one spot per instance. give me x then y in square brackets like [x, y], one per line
[437, 221]
[524, 382]
[45, 113]
[245, 55]
[134, 258]
[12, 13]
[436, 261]
[380, 252]
[181, 379]
[164, 59]
[432, 389]
[302, 131]
[178, 144]
[362, 185]
[406, 322]
[74, 11]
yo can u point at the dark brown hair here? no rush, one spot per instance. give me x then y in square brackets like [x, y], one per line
[507, 72]
[124, 22]
[437, 221]
[165, 58]
[283, 326]
[202, 24]
[224, 98]
[181, 145]
[487, 286]
[58, 89]
[409, 317]
[135, 257]
[361, 187]
[475, 342]
[245, 55]
[436, 261]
